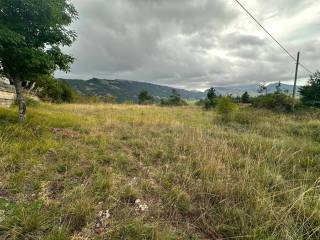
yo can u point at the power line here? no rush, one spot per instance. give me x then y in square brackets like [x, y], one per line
[305, 68]
[273, 38]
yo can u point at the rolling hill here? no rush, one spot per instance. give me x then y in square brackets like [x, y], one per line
[126, 90]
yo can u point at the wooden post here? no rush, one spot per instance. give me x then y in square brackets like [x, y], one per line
[296, 77]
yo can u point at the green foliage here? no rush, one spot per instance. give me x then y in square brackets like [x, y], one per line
[24, 219]
[310, 94]
[211, 95]
[226, 108]
[129, 195]
[200, 103]
[31, 102]
[53, 90]
[180, 200]
[245, 117]
[276, 101]
[78, 212]
[109, 99]
[240, 179]
[31, 33]
[211, 100]
[245, 98]
[145, 98]
[174, 100]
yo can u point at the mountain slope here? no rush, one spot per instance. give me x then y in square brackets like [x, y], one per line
[126, 90]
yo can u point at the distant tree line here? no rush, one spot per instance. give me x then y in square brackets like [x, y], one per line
[59, 91]
[280, 100]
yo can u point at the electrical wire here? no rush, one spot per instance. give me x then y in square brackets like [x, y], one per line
[272, 37]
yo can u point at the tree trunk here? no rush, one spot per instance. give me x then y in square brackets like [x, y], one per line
[20, 99]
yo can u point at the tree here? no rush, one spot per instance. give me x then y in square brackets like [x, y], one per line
[210, 101]
[145, 98]
[245, 98]
[174, 99]
[310, 94]
[211, 95]
[31, 35]
[50, 89]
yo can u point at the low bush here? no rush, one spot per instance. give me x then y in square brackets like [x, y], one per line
[174, 100]
[226, 108]
[210, 103]
[211, 100]
[279, 102]
[246, 118]
[50, 89]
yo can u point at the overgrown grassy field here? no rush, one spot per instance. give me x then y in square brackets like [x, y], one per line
[146, 172]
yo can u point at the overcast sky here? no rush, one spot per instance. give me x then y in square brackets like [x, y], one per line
[193, 44]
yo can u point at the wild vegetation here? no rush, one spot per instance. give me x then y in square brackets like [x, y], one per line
[94, 171]
[31, 36]
[148, 172]
[311, 92]
[173, 100]
[145, 98]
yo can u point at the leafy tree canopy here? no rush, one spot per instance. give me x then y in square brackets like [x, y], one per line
[211, 94]
[174, 100]
[211, 100]
[245, 98]
[145, 98]
[31, 35]
[310, 94]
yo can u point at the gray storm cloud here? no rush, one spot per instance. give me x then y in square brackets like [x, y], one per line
[188, 43]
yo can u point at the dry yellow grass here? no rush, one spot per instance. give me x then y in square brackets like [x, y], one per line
[162, 173]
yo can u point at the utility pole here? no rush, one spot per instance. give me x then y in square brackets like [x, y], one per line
[296, 77]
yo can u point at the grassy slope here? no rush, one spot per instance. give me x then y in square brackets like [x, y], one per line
[254, 178]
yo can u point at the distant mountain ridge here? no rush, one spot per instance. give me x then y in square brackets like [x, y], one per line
[126, 90]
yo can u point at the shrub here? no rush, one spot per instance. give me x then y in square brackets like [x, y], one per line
[245, 98]
[210, 103]
[310, 94]
[211, 100]
[50, 89]
[279, 102]
[200, 103]
[145, 98]
[174, 100]
[226, 108]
